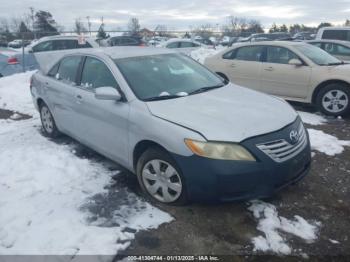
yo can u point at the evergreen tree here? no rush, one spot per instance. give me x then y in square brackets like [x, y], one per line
[45, 24]
[101, 34]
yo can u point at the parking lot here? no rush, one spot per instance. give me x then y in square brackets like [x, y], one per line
[98, 198]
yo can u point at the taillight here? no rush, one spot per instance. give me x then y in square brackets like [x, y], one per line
[142, 44]
[12, 61]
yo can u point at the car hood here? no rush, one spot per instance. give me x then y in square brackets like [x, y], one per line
[340, 69]
[231, 113]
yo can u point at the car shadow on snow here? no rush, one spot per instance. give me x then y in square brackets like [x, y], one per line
[121, 192]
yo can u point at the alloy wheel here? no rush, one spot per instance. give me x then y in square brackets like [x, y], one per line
[335, 101]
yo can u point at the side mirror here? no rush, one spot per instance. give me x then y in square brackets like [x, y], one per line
[295, 62]
[107, 93]
[30, 50]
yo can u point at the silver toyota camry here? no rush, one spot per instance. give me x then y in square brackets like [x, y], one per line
[185, 132]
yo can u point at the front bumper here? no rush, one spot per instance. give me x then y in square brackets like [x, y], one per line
[210, 179]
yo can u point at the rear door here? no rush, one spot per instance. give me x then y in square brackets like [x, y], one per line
[102, 124]
[280, 78]
[243, 66]
[60, 87]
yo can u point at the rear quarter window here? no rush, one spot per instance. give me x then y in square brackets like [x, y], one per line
[336, 34]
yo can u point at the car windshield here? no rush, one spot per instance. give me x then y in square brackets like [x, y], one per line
[317, 55]
[166, 76]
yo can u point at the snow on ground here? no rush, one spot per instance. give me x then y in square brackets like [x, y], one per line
[276, 228]
[201, 53]
[312, 119]
[15, 94]
[48, 193]
[325, 143]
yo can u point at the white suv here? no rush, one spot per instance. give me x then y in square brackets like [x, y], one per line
[334, 33]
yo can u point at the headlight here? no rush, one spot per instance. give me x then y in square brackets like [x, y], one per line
[217, 150]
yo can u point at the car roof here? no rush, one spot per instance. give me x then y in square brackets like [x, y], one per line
[180, 39]
[276, 43]
[47, 59]
[334, 28]
[347, 43]
[118, 52]
[59, 37]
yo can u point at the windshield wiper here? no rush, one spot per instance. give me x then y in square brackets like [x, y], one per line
[157, 98]
[205, 89]
[336, 63]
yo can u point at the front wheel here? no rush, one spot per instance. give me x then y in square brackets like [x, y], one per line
[160, 178]
[47, 121]
[333, 99]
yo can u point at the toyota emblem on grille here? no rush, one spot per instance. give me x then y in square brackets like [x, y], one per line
[294, 136]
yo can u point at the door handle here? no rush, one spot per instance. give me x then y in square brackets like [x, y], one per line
[269, 69]
[233, 65]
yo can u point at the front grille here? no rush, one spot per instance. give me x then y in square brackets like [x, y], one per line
[281, 150]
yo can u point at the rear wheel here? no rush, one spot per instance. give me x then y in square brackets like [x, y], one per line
[334, 99]
[160, 178]
[47, 121]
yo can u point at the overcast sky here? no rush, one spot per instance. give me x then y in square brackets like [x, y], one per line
[181, 14]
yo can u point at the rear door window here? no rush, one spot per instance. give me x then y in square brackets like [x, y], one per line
[43, 47]
[249, 53]
[64, 44]
[336, 34]
[336, 49]
[68, 69]
[186, 44]
[173, 45]
[96, 74]
[129, 41]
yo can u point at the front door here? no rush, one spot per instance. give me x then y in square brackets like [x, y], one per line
[280, 78]
[103, 124]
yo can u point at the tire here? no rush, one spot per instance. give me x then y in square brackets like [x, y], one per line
[156, 183]
[334, 99]
[48, 122]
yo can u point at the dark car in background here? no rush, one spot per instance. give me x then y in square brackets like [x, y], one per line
[304, 36]
[125, 41]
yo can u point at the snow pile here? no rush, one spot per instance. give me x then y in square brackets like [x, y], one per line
[325, 143]
[201, 54]
[15, 94]
[273, 225]
[43, 187]
[312, 119]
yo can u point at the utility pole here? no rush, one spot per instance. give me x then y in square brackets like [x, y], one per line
[33, 22]
[89, 24]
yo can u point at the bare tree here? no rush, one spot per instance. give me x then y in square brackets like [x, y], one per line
[205, 31]
[134, 26]
[79, 26]
[15, 24]
[161, 30]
